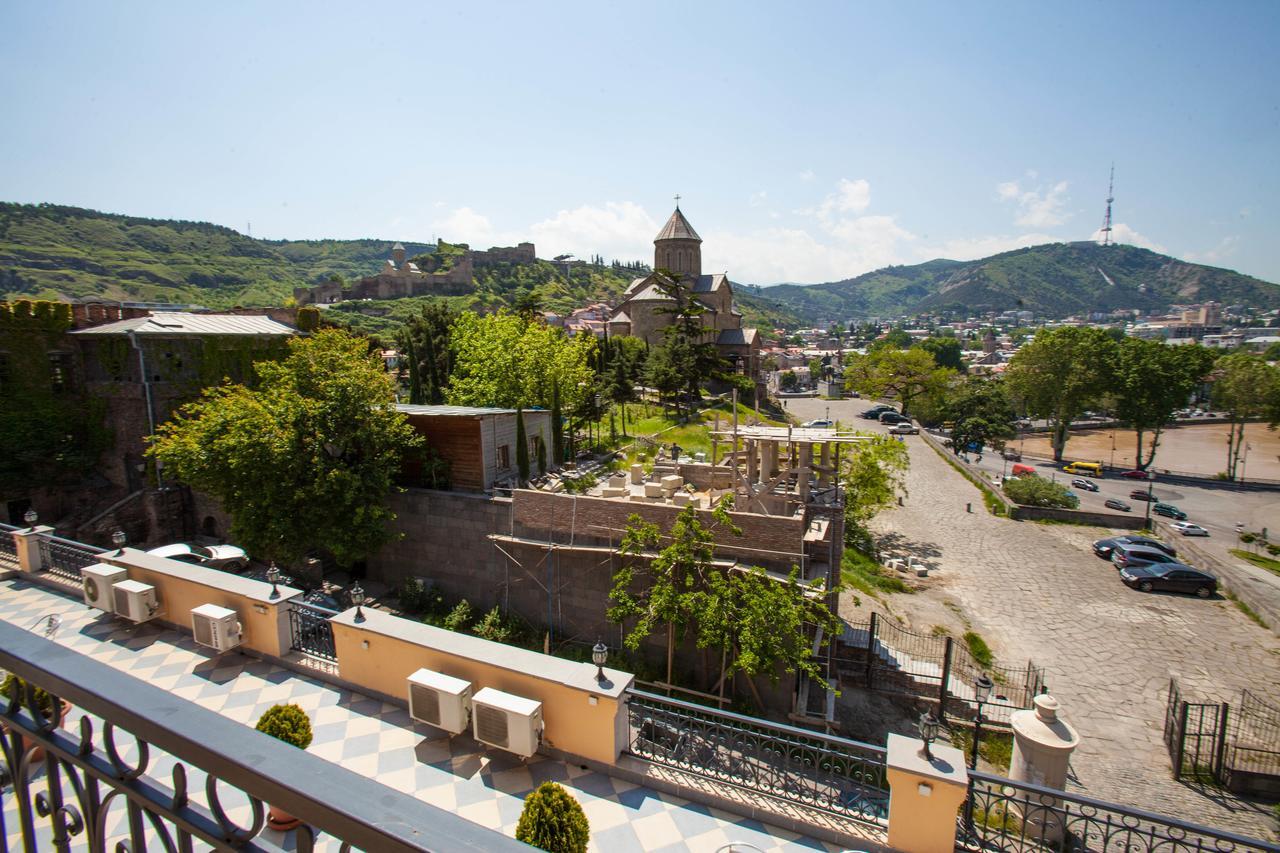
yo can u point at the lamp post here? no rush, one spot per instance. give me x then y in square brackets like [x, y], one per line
[1151, 482]
[273, 578]
[357, 598]
[599, 654]
[30, 517]
[930, 727]
[118, 539]
[982, 687]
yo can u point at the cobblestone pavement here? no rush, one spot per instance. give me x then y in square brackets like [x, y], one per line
[1036, 591]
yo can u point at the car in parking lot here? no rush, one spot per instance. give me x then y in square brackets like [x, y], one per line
[891, 417]
[1169, 511]
[1169, 577]
[1129, 554]
[1142, 495]
[874, 412]
[821, 423]
[904, 428]
[1087, 485]
[1011, 454]
[1186, 528]
[228, 558]
[1113, 503]
[1136, 475]
[1102, 548]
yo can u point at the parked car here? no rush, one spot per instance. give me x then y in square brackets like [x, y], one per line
[1102, 547]
[1170, 577]
[1112, 503]
[1142, 495]
[1087, 485]
[1011, 454]
[1169, 511]
[1137, 475]
[891, 417]
[821, 423]
[1129, 554]
[1186, 528]
[904, 428]
[875, 412]
[229, 558]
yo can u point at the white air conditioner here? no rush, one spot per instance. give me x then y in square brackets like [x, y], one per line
[440, 700]
[97, 581]
[216, 627]
[134, 600]
[508, 722]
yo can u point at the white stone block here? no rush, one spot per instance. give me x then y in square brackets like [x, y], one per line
[637, 474]
[681, 498]
[672, 481]
[653, 490]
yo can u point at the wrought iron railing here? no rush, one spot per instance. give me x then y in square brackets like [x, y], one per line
[1018, 817]
[65, 558]
[311, 631]
[8, 548]
[99, 777]
[821, 771]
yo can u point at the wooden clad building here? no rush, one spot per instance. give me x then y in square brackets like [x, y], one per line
[478, 443]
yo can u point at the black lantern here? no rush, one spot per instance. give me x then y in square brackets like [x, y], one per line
[982, 687]
[118, 539]
[357, 598]
[930, 727]
[30, 517]
[599, 654]
[273, 578]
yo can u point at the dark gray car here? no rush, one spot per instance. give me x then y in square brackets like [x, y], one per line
[1137, 555]
[1102, 548]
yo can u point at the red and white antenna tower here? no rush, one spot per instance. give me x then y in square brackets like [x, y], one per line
[1106, 220]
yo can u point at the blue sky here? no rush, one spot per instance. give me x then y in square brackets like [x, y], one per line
[810, 142]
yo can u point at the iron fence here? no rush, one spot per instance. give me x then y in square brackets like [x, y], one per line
[311, 631]
[1018, 817]
[65, 558]
[8, 548]
[137, 768]
[824, 772]
[1235, 745]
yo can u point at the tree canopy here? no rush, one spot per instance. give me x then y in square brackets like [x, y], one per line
[981, 414]
[1246, 387]
[874, 476]
[508, 361]
[1150, 380]
[903, 375]
[307, 459]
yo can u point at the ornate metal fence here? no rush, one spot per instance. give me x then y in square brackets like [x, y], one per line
[824, 772]
[101, 784]
[8, 549]
[1233, 745]
[1003, 815]
[65, 558]
[311, 631]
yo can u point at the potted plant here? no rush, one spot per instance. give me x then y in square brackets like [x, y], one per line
[290, 724]
[44, 700]
[553, 820]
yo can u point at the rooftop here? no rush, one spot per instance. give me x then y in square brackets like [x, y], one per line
[453, 411]
[169, 323]
[677, 228]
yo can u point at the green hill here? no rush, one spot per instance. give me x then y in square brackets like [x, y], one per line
[1054, 280]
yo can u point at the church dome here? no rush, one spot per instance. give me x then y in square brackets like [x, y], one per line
[677, 228]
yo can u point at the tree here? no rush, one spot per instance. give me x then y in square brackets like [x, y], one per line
[1036, 491]
[553, 820]
[899, 374]
[425, 342]
[557, 424]
[1059, 373]
[980, 413]
[1246, 387]
[1150, 381]
[875, 475]
[522, 448]
[617, 386]
[893, 339]
[307, 460]
[691, 354]
[503, 360]
[946, 351]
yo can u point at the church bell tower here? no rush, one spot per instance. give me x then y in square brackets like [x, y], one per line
[678, 247]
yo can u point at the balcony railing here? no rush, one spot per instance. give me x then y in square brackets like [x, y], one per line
[93, 769]
[8, 548]
[65, 558]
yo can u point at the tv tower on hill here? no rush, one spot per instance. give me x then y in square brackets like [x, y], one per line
[1111, 196]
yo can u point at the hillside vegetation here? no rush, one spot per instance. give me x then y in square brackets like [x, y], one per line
[1055, 280]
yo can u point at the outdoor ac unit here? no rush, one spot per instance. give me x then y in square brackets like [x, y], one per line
[134, 600]
[216, 627]
[508, 722]
[440, 700]
[97, 581]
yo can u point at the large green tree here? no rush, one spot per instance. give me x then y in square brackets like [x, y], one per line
[874, 476]
[1150, 381]
[306, 460]
[504, 360]
[424, 342]
[981, 413]
[903, 375]
[1059, 373]
[689, 349]
[1247, 388]
[946, 351]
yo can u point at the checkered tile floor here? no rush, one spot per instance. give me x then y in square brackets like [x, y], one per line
[381, 741]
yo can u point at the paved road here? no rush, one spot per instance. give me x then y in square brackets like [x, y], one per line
[1036, 591]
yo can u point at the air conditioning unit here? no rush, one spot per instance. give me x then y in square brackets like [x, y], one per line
[134, 600]
[440, 700]
[97, 581]
[216, 627]
[508, 722]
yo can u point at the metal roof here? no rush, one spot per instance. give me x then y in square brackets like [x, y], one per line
[677, 228]
[652, 293]
[737, 336]
[170, 323]
[456, 411]
[709, 283]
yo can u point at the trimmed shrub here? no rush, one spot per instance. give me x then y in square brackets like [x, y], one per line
[553, 820]
[288, 723]
[308, 318]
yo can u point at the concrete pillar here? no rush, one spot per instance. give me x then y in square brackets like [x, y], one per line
[1042, 746]
[27, 541]
[772, 468]
[824, 460]
[924, 796]
[637, 474]
[806, 464]
[752, 460]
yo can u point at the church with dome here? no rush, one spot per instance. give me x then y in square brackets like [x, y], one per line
[678, 250]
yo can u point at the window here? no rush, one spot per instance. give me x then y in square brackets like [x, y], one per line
[504, 457]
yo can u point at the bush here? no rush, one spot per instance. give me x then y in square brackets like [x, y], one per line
[552, 820]
[288, 723]
[1248, 538]
[411, 594]
[44, 699]
[978, 648]
[1035, 491]
[459, 617]
[492, 626]
[308, 318]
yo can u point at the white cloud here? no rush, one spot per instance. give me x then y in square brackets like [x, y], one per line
[972, 248]
[1225, 248]
[758, 199]
[465, 225]
[1036, 208]
[849, 197]
[1122, 233]
[622, 230]
[807, 175]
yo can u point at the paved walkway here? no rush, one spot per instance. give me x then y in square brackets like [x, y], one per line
[380, 741]
[1036, 591]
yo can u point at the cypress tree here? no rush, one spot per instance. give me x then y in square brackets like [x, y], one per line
[415, 376]
[522, 447]
[557, 425]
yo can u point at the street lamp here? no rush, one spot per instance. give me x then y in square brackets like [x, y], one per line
[982, 687]
[358, 598]
[273, 578]
[118, 539]
[1151, 483]
[30, 518]
[930, 727]
[599, 654]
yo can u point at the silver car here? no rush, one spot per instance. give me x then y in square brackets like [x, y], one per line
[228, 558]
